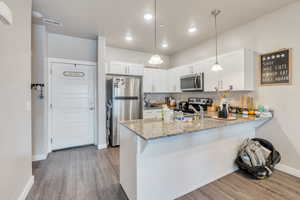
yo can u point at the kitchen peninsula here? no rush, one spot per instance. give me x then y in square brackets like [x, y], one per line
[167, 159]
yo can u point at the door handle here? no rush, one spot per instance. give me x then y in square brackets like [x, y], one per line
[91, 108]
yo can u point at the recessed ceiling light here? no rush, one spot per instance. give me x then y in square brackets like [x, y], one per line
[148, 16]
[164, 45]
[192, 29]
[128, 38]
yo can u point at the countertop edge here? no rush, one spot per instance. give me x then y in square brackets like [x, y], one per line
[194, 131]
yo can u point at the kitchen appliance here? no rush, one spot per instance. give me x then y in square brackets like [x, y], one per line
[192, 82]
[224, 111]
[124, 102]
[197, 103]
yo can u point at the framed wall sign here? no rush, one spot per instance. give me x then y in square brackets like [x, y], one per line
[276, 68]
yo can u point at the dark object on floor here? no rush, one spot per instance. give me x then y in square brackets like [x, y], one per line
[258, 158]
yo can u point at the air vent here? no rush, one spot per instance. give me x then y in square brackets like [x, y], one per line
[52, 22]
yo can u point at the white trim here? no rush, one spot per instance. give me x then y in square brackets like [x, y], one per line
[39, 157]
[102, 146]
[288, 170]
[69, 61]
[49, 99]
[27, 188]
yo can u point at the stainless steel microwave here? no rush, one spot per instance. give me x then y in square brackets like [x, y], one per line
[192, 82]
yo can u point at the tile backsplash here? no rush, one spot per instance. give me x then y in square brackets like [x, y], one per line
[233, 98]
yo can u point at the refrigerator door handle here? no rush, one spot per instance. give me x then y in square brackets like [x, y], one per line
[126, 98]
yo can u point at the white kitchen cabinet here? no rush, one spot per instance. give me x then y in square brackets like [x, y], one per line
[173, 76]
[160, 82]
[135, 69]
[147, 80]
[238, 71]
[155, 81]
[186, 69]
[115, 68]
[122, 68]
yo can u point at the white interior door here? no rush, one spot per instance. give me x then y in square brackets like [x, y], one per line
[73, 105]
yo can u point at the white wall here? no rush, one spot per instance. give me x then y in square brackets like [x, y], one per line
[130, 56]
[280, 29]
[39, 106]
[15, 115]
[62, 46]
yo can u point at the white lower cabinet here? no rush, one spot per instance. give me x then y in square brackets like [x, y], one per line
[152, 114]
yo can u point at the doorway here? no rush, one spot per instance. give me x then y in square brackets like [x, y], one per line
[72, 105]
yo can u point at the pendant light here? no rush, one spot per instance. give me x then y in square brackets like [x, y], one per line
[155, 59]
[216, 67]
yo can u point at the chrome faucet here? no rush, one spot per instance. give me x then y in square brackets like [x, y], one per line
[201, 113]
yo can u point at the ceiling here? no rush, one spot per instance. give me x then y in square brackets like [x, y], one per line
[114, 19]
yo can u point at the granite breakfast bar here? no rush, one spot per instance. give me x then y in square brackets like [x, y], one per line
[163, 160]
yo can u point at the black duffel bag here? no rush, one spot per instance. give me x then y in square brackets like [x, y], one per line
[258, 158]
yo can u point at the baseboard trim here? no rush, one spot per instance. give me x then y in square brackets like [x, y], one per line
[102, 146]
[39, 157]
[27, 188]
[288, 170]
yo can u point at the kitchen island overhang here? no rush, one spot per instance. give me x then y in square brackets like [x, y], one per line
[182, 159]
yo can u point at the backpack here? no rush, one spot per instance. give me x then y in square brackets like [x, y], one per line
[257, 157]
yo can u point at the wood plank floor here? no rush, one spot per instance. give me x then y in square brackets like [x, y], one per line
[88, 174]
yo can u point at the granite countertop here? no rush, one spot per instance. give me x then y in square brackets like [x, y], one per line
[150, 129]
[157, 108]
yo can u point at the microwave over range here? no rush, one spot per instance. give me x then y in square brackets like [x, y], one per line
[192, 82]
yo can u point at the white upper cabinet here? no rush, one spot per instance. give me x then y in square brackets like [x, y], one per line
[135, 69]
[121, 68]
[155, 81]
[148, 80]
[115, 68]
[160, 82]
[173, 76]
[238, 71]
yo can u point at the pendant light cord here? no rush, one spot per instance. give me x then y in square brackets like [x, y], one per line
[216, 29]
[155, 28]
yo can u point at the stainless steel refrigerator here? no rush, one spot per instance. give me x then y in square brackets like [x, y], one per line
[124, 102]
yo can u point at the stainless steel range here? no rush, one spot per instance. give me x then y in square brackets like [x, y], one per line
[195, 103]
